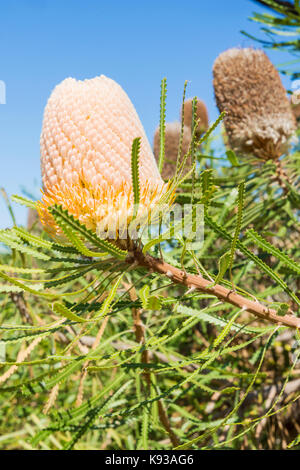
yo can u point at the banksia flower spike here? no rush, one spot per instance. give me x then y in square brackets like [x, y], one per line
[201, 116]
[259, 118]
[86, 141]
[172, 140]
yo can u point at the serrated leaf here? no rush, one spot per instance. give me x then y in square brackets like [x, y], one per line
[225, 330]
[179, 166]
[283, 310]
[193, 158]
[144, 295]
[75, 240]
[67, 313]
[270, 272]
[27, 336]
[145, 429]
[23, 201]
[107, 303]
[224, 263]
[7, 288]
[206, 180]
[295, 442]
[24, 287]
[154, 303]
[15, 269]
[32, 239]
[63, 216]
[162, 123]
[211, 128]
[66, 279]
[268, 248]
[135, 157]
[241, 198]
[232, 158]
[10, 240]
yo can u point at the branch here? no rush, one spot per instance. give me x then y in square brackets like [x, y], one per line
[222, 293]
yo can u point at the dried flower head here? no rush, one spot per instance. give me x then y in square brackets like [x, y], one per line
[172, 140]
[86, 140]
[201, 116]
[259, 119]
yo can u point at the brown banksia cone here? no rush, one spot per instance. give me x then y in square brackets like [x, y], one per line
[172, 139]
[259, 118]
[201, 116]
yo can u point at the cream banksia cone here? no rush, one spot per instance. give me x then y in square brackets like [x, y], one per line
[172, 139]
[201, 116]
[259, 118]
[86, 141]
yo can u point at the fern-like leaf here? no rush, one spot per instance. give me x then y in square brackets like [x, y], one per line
[9, 238]
[24, 201]
[263, 266]
[162, 123]
[268, 248]
[241, 198]
[67, 313]
[135, 157]
[63, 217]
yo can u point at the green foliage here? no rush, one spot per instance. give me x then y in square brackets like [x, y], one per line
[269, 248]
[135, 155]
[95, 350]
[281, 29]
[162, 123]
[240, 206]
[73, 229]
[197, 348]
[178, 164]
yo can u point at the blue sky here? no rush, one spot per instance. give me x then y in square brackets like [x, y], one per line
[135, 42]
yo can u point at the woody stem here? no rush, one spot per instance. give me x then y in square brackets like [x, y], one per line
[222, 293]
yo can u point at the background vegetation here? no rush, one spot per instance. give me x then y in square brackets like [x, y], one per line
[95, 355]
